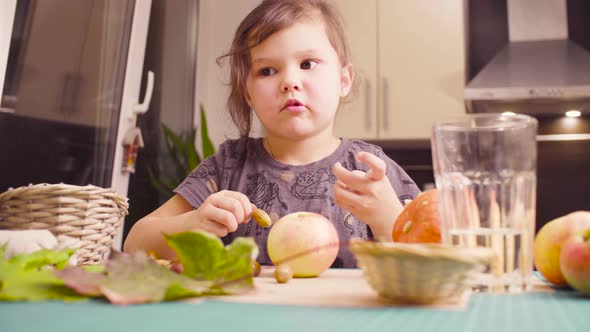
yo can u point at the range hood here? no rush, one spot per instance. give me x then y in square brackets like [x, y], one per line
[539, 63]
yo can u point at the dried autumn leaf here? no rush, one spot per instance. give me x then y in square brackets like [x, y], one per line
[136, 278]
[81, 280]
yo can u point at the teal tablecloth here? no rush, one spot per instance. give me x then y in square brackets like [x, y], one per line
[560, 311]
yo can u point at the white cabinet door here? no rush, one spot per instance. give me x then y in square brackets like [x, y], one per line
[421, 65]
[218, 21]
[357, 118]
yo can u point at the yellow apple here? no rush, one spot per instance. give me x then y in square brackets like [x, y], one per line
[307, 242]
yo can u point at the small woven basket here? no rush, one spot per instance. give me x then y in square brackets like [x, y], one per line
[86, 218]
[418, 273]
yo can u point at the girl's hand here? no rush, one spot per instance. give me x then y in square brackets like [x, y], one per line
[222, 212]
[368, 196]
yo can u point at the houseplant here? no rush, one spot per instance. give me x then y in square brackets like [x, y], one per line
[183, 155]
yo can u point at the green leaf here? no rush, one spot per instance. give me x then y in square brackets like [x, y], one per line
[242, 252]
[203, 256]
[192, 156]
[171, 182]
[199, 253]
[183, 155]
[43, 257]
[95, 268]
[18, 283]
[156, 183]
[175, 150]
[208, 149]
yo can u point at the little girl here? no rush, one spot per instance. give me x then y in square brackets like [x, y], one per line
[290, 65]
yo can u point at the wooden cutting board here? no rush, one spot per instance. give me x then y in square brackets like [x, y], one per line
[333, 288]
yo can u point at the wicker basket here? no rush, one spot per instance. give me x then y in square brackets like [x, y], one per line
[417, 273]
[86, 218]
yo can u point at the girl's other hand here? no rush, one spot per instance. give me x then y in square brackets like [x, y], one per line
[369, 196]
[222, 212]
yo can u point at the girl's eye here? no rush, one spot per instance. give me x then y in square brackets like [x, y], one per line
[267, 71]
[308, 64]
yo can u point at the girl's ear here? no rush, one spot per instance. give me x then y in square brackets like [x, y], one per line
[346, 79]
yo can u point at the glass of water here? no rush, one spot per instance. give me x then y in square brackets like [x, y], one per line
[485, 171]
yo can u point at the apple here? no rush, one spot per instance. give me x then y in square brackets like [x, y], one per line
[307, 242]
[550, 240]
[574, 261]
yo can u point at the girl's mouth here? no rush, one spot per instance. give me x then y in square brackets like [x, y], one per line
[293, 105]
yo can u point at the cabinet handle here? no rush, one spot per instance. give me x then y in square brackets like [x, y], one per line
[368, 122]
[385, 103]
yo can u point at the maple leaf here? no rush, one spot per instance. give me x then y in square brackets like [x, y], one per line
[136, 278]
[25, 277]
[204, 257]
[82, 280]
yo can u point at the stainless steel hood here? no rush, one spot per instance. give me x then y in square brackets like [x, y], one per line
[539, 63]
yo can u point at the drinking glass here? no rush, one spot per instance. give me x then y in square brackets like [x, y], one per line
[485, 171]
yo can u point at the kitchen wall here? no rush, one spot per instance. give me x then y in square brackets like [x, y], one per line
[563, 166]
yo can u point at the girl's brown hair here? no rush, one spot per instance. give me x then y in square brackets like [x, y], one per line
[267, 18]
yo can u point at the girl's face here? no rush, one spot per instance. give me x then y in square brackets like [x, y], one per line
[296, 81]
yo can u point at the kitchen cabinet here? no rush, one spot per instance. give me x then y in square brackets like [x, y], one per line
[218, 21]
[410, 56]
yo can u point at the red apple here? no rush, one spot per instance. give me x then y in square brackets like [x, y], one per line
[306, 241]
[550, 240]
[574, 261]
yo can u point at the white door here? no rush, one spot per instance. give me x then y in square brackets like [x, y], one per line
[70, 75]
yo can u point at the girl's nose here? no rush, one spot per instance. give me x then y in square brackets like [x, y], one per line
[291, 85]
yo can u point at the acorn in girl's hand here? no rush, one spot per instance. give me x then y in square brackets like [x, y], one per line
[262, 218]
[419, 222]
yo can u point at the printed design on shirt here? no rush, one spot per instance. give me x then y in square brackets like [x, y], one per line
[315, 184]
[263, 194]
[350, 162]
[404, 197]
[354, 226]
[227, 176]
[212, 186]
[207, 168]
[232, 149]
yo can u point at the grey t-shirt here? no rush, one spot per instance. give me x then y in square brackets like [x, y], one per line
[244, 165]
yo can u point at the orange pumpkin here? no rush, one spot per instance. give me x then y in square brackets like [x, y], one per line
[419, 222]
